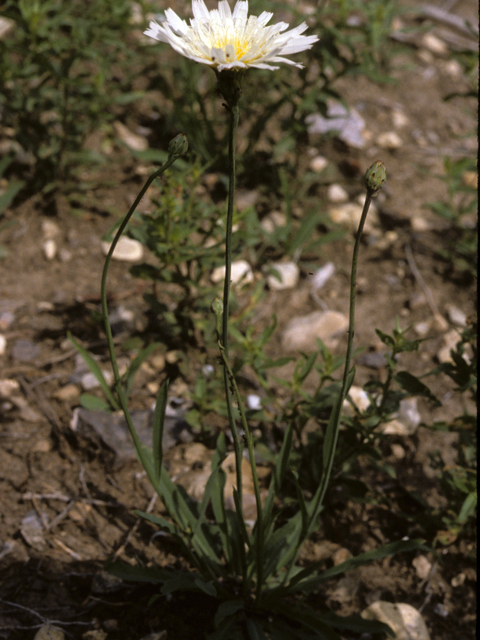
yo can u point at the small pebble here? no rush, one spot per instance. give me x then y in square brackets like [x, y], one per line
[419, 224]
[422, 328]
[49, 248]
[272, 221]
[3, 344]
[389, 140]
[398, 451]
[8, 387]
[399, 119]
[435, 45]
[67, 393]
[254, 402]
[336, 194]
[321, 277]
[289, 274]
[301, 332]
[50, 229]
[49, 632]
[241, 273]
[127, 250]
[458, 580]
[450, 341]
[456, 316]
[318, 164]
[422, 566]
[132, 140]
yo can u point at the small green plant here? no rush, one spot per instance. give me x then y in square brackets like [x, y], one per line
[55, 67]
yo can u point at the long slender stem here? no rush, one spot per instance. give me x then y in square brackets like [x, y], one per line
[256, 484]
[234, 116]
[330, 454]
[108, 329]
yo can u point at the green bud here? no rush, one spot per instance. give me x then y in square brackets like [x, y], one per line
[178, 146]
[375, 177]
[217, 307]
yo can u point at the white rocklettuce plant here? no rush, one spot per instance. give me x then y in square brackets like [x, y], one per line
[252, 572]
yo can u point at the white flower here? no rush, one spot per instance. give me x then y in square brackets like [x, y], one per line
[225, 40]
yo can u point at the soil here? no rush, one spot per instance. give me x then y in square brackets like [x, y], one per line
[84, 500]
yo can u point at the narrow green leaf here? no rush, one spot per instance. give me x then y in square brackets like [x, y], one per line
[96, 370]
[92, 403]
[307, 585]
[158, 425]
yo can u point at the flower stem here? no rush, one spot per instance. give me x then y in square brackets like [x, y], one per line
[234, 116]
[108, 330]
[331, 443]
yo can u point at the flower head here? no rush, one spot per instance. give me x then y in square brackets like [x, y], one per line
[225, 40]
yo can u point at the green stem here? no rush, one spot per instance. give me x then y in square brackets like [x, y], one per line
[234, 116]
[108, 330]
[330, 454]
[256, 484]
[333, 428]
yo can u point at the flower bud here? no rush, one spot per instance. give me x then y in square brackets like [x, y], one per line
[178, 146]
[375, 177]
[217, 307]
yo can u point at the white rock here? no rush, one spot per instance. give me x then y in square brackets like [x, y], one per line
[127, 249]
[348, 122]
[254, 402]
[434, 44]
[348, 215]
[405, 422]
[399, 119]
[318, 164]
[132, 140]
[422, 566]
[8, 387]
[449, 343]
[49, 248]
[89, 381]
[419, 224]
[398, 451]
[50, 229]
[321, 277]
[389, 140]
[3, 344]
[422, 328]
[241, 273]
[49, 632]
[336, 194]
[273, 221]
[289, 274]
[359, 397]
[404, 620]
[453, 68]
[456, 316]
[301, 332]
[6, 25]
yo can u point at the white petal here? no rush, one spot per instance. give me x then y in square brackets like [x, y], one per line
[224, 10]
[240, 11]
[179, 25]
[200, 10]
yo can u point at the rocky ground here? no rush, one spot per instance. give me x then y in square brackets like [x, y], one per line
[69, 482]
